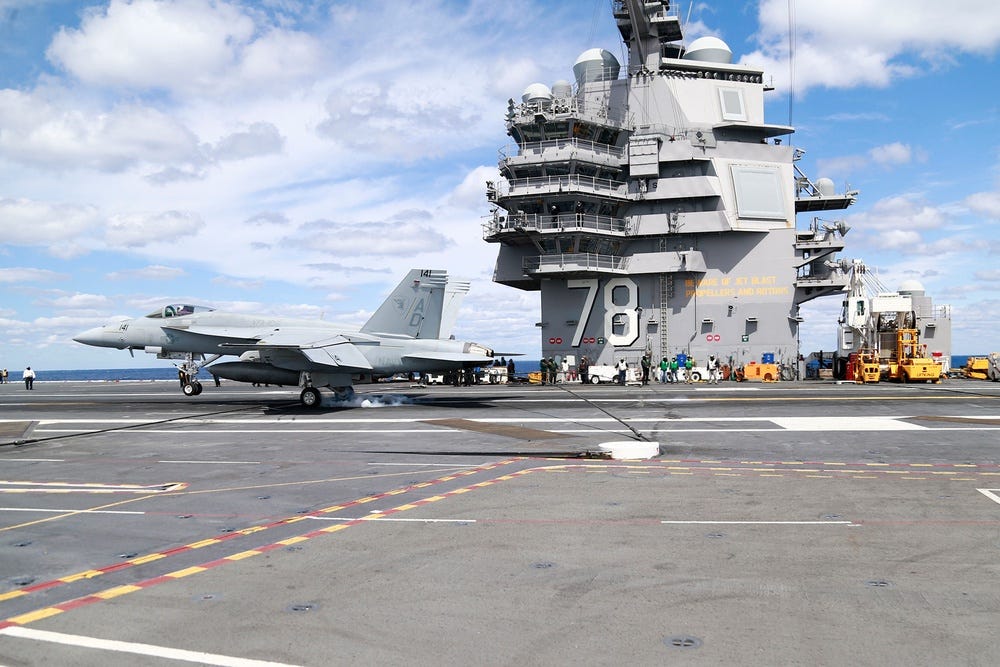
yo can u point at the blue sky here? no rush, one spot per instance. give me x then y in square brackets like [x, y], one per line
[297, 158]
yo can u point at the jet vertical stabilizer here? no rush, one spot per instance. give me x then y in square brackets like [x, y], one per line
[414, 308]
[454, 293]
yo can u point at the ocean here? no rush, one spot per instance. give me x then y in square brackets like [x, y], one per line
[170, 373]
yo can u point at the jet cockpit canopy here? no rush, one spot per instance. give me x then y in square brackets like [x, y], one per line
[177, 310]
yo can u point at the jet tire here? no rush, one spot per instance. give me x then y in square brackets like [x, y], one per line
[191, 388]
[310, 397]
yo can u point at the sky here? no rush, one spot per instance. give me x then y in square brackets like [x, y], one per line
[297, 158]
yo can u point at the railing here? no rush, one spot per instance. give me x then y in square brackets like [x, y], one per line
[566, 222]
[833, 278]
[567, 183]
[570, 106]
[583, 261]
[619, 8]
[540, 147]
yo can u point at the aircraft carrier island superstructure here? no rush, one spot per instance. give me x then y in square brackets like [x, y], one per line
[656, 210]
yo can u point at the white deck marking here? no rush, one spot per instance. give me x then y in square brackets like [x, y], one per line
[432, 465]
[849, 423]
[253, 463]
[411, 425]
[136, 648]
[38, 460]
[52, 511]
[764, 523]
[992, 494]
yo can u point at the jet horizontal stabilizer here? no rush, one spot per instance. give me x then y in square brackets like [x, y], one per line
[343, 355]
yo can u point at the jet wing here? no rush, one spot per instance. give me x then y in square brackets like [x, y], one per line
[316, 347]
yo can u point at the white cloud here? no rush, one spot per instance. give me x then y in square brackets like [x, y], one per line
[902, 212]
[848, 44]
[183, 47]
[53, 134]
[268, 218]
[239, 284]
[140, 229]
[402, 235]
[27, 222]
[471, 192]
[891, 154]
[899, 238]
[29, 275]
[156, 272]
[844, 165]
[76, 302]
[985, 203]
[258, 139]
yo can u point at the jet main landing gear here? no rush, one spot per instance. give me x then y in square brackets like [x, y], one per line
[310, 397]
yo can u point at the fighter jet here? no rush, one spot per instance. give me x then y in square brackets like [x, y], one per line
[408, 333]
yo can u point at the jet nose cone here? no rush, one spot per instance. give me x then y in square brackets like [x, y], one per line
[93, 336]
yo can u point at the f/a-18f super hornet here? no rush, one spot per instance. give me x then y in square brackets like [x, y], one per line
[408, 333]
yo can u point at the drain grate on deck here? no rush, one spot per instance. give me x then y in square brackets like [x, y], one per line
[682, 641]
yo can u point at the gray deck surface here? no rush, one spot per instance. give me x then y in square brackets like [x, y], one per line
[793, 523]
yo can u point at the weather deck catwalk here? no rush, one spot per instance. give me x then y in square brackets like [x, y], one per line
[655, 208]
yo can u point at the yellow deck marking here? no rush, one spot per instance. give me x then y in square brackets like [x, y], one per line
[33, 616]
[146, 559]
[194, 569]
[116, 591]
[333, 529]
[203, 543]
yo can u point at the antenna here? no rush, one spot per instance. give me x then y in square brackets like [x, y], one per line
[791, 60]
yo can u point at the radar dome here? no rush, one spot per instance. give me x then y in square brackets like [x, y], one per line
[596, 65]
[910, 286]
[709, 49]
[562, 89]
[536, 92]
[825, 186]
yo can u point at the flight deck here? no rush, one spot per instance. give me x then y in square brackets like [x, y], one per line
[783, 523]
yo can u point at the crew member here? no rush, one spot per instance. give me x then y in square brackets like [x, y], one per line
[29, 378]
[713, 369]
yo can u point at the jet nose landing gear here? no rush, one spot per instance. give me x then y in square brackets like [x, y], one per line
[191, 388]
